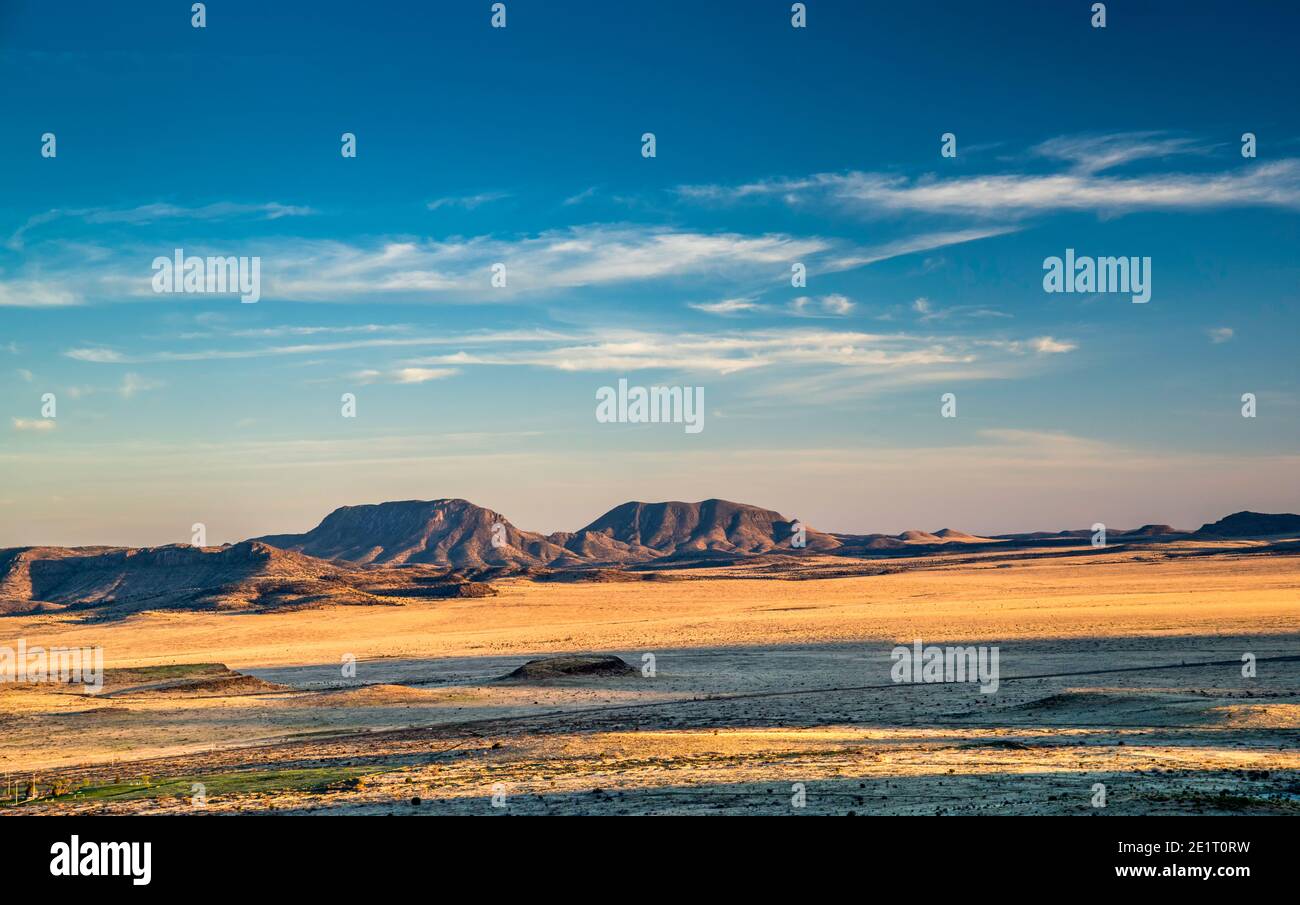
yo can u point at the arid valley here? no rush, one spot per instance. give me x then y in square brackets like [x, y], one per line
[744, 684]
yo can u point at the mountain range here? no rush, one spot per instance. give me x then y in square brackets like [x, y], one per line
[385, 552]
[459, 534]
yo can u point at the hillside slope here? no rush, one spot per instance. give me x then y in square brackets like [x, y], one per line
[448, 532]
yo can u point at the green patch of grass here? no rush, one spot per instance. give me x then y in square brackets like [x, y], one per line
[217, 785]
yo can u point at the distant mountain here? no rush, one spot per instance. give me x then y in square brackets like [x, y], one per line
[638, 531]
[249, 575]
[952, 536]
[868, 543]
[154, 577]
[1252, 524]
[458, 534]
[445, 532]
[386, 553]
[1152, 531]
[377, 554]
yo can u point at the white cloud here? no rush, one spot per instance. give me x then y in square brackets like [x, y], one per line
[97, 355]
[423, 375]
[103, 355]
[151, 213]
[133, 383]
[405, 375]
[623, 349]
[459, 270]
[1047, 345]
[37, 294]
[914, 357]
[581, 196]
[914, 244]
[289, 330]
[468, 202]
[1094, 153]
[576, 257]
[1274, 184]
[1220, 334]
[33, 424]
[726, 306]
[833, 305]
[837, 304]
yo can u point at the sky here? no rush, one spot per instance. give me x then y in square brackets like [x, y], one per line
[523, 146]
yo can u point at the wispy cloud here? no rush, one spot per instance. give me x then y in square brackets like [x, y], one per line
[927, 310]
[467, 202]
[726, 306]
[99, 354]
[335, 329]
[33, 424]
[37, 293]
[576, 257]
[1048, 345]
[1220, 334]
[1095, 153]
[133, 383]
[1081, 187]
[152, 213]
[1261, 185]
[461, 270]
[618, 349]
[851, 354]
[833, 305]
[908, 245]
[405, 375]
[582, 196]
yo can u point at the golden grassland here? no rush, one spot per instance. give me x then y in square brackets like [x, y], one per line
[1117, 595]
[738, 713]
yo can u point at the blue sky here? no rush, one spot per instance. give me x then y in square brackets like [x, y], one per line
[522, 145]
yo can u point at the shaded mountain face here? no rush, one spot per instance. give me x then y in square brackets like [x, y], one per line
[246, 576]
[1252, 524]
[458, 534]
[153, 577]
[445, 532]
[642, 531]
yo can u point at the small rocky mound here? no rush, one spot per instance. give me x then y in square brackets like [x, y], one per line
[184, 681]
[574, 666]
[462, 589]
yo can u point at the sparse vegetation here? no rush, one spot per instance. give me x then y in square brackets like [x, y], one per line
[217, 785]
[757, 679]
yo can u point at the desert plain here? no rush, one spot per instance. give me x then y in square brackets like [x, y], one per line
[748, 690]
